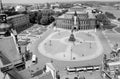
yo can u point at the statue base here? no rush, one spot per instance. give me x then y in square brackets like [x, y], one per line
[72, 38]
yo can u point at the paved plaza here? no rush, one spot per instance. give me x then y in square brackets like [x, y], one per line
[87, 46]
[46, 48]
[54, 47]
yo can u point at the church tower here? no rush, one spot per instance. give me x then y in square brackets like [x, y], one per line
[75, 18]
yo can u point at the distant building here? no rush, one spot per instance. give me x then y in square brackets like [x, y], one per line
[77, 8]
[85, 19]
[58, 10]
[46, 6]
[45, 12]
[55, 5]
[19, 22]
[117, 6]
[20, 8]
[36, 7]
[77, 4]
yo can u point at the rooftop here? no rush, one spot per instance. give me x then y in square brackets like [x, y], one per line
[78, 12]
[80, 7]
[14, 16]
[47, 75]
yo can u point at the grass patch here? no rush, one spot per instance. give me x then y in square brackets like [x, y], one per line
[111, 26]
[111, 10]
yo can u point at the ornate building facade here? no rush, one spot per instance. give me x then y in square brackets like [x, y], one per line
[85, 19]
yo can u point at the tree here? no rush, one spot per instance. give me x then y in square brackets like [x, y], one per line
[106, 22]
[110, 15]
[32, 17]
[66, 5]
[51, 19]
[58, 14]
[44, 20]
[47, 12]
[39, 16]
[103, 19]
[11, 12]
[118, 19]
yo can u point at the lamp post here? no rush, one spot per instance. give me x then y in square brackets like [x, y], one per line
[71, 53]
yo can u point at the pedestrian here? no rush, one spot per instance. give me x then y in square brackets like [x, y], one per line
[82, 54]
[90, 44]
[64, 55]
[51, 61]
[44, 68]
[50, 42]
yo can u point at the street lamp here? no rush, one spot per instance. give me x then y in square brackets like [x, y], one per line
[71, 53]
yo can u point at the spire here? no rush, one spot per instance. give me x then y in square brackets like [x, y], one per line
[75, 13]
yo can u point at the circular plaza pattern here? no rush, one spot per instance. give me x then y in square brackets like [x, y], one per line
[56, 46]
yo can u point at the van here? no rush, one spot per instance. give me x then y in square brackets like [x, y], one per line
[34, 59]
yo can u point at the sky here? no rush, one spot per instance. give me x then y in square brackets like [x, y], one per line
[44, 1]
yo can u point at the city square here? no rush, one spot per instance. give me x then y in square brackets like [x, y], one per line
[87, 46]
[60, 41]
[46, 49]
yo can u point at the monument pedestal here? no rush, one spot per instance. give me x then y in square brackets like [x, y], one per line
[72, 38]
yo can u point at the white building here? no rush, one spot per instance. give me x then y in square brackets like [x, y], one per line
[19, 8]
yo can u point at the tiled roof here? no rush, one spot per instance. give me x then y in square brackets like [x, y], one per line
[48, 75]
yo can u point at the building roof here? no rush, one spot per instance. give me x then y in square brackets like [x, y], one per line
[87, 11]
[117, 5]
[90, 15]
[62, 16]
[48, 75]
[19, 8]
[114, 63]
[80, 7]
[78, 12]
[14, 16]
